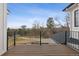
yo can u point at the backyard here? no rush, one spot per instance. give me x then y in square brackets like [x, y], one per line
[38, 31]
[29, 41]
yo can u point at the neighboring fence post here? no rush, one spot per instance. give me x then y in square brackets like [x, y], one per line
[7, 41]
[14, 38]
[65, 37]
[40, 38]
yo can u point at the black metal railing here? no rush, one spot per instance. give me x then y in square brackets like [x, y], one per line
[14, 40]
[40, 38]
[7, 41]
[73, 40]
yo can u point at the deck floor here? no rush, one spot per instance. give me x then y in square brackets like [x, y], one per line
[43, 50]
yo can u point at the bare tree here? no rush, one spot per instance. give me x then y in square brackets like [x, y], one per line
[36, 25]
[67, 20]
[59, 23]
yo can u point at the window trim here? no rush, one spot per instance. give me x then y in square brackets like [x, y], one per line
[75, 25]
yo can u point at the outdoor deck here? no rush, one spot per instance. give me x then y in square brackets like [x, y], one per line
[43, 50]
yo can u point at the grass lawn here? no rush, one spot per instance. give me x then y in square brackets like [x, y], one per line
[25, 40]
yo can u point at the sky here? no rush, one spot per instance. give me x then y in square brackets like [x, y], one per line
[30, 13]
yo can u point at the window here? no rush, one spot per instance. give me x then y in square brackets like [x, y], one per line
[76, 18]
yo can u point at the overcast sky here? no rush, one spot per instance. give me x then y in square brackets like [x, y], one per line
[28, 14]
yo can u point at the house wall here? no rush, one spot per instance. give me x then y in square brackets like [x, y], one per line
[3, 25]
[74, 28]
[74, 31]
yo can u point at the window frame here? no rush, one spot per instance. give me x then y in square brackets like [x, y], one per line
[75, 17]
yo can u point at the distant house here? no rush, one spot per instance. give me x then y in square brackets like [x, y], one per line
[3, 28]
[73, 12]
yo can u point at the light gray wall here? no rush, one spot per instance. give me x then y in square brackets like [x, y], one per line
[59, 37]
[3, 29]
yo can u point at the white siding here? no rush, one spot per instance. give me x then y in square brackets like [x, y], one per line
[3, 14]
[72, 28]
[74, 31]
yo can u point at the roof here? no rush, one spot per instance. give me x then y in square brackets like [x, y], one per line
[68, 6]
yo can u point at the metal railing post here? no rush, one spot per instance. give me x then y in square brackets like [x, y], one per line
[7, 41]
[40, 38]
[14, 38]
[65, 37]
[78, 39]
